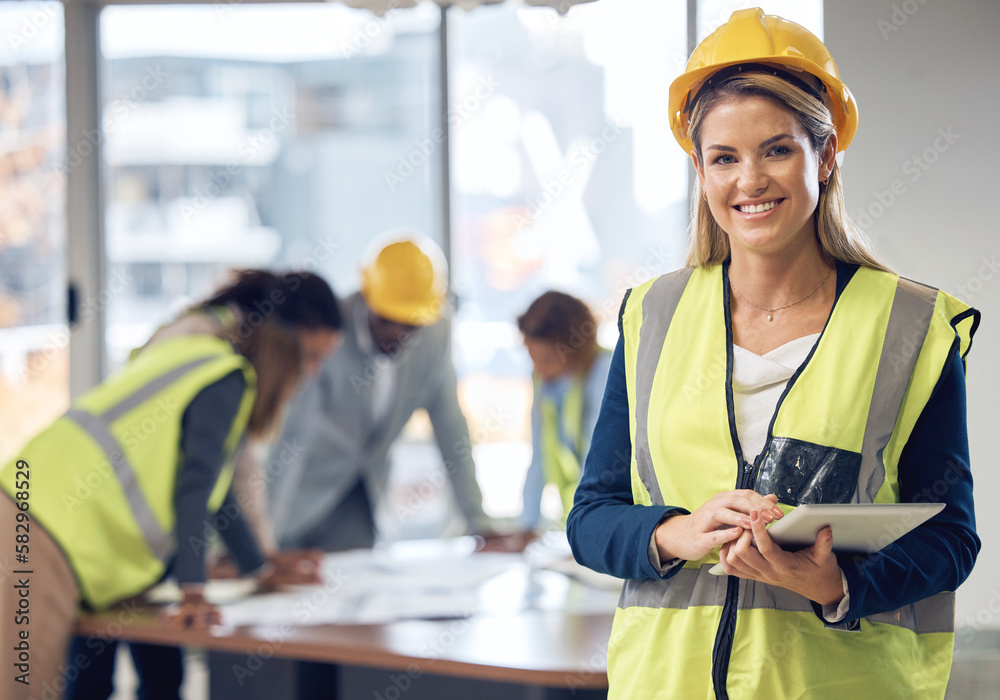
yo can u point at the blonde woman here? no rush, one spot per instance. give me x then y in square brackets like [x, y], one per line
[784, 366]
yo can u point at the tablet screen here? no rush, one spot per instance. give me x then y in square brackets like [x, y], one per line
[857, 527]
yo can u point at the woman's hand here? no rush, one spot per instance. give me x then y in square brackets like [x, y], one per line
[294, 567]
[812, 572]
[222, 567]
[297, 566]
[719, 520]
[193, 612]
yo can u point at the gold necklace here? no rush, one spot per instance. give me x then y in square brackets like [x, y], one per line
[779, 308]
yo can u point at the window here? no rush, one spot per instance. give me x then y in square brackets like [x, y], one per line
[34, 337]
[291, 135]
[712, 13]
[257, 136]
[566, 176]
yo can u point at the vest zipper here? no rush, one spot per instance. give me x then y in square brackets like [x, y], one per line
[746, 477]
[727, 622]
[725, 632]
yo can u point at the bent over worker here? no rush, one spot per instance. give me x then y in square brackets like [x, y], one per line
[395, 359]
[122, 486]
[570, 369]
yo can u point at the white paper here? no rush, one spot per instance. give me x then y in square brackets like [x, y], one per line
[403, 581]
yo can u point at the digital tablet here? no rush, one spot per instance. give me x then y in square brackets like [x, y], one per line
[857, 527]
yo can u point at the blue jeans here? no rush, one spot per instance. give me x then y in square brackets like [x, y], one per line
[160, 670]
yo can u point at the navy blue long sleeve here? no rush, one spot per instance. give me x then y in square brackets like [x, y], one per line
[204, 428]
[609, 533]
[933, 468]
[606, 530]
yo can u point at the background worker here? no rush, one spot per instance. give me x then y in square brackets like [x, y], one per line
[395, 359]
[304, 308]
[153, 445]
[570, 369]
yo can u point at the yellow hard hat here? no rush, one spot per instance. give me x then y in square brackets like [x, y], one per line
[751, 37]
[404, 284]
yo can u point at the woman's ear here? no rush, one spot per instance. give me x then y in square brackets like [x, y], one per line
[828, 157]
[698, 169]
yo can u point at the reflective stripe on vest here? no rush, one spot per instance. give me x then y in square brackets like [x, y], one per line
[696, 587]
[97, 427]
[658, 308]
[104, 473]
[909, 319]
[560, 462]
[847, 412]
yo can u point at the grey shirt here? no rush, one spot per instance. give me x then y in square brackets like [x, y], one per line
[332, 436]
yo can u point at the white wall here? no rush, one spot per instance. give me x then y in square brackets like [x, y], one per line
[920, 69]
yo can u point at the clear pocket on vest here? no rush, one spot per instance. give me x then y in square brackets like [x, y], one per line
[800, 472]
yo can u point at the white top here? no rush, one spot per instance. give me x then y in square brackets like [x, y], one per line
[758, 381]
[384, 367]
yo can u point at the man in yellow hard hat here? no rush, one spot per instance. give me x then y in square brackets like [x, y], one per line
[395, 359]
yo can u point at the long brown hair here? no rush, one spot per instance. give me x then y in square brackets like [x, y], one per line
[557, 317]
[270, 309]
[837, 235]
[275, 353]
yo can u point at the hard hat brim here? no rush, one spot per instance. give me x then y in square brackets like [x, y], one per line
[843, 107]
[407, 314]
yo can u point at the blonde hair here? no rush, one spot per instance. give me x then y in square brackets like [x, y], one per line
[837, 235]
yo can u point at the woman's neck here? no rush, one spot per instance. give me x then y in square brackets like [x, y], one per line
[771, 281]
[776, 299]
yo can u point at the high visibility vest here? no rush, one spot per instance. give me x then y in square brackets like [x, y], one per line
[836, 437]
[103, 475]
[560, 462]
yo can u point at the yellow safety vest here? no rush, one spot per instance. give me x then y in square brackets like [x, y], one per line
[102, 476]
[847, 415]
[560, 462]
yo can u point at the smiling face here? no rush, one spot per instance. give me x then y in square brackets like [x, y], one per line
[761, 174]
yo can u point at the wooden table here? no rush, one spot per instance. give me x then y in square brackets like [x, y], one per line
[527, 632]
